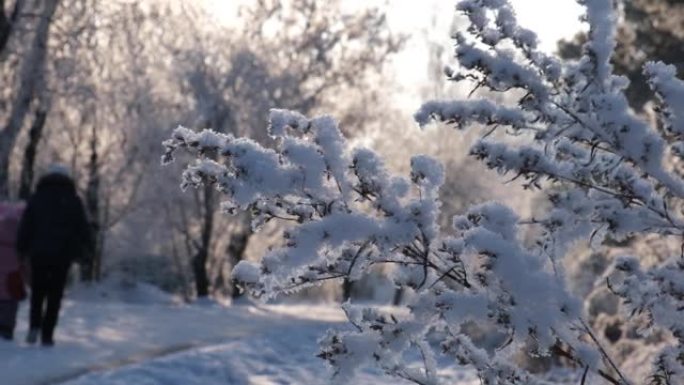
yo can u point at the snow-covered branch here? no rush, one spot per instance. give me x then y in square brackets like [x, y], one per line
[350, 213]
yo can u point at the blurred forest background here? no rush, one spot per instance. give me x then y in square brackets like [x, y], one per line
[97, 85]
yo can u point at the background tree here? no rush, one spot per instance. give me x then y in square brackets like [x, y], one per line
[300, 55]
[30, 79]
[649, 30]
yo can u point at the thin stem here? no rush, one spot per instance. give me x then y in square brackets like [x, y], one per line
[603, 351]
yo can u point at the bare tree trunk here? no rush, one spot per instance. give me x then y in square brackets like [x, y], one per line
[201, 258]
[239, 239]
[346, 290]
[199, 266]
[27, 168]
[398, 296]
[91, 267]
[5, 26]
[7, 22]
[30, 76]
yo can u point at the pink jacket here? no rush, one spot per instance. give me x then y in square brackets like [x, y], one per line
[10, 214]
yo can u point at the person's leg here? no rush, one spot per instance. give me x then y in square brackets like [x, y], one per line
[57, 281]
[39, 279]
[8, 318]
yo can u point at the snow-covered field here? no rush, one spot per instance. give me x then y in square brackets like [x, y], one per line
[138, 336]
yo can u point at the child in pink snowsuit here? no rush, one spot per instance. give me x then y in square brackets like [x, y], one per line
[11, 282]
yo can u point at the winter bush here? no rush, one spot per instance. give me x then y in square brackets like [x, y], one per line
[602, 165]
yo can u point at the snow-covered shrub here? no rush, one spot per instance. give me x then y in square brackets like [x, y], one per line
[576, 136]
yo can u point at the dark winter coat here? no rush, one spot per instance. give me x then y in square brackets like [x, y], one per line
[54, 230]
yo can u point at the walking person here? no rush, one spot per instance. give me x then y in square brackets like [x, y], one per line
[12, 289]
[53, 233]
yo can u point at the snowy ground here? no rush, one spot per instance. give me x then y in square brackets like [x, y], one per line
[140, 337]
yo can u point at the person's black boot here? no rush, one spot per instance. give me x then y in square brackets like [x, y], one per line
[32, 336]
[46, 339]
[7, 335]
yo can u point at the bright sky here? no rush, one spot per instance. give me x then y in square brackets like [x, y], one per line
[431, 19]
[552, 20]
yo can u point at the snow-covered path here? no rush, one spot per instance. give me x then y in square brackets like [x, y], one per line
[110, 326]
[282, 354]
[95, 336]
[278, 356]
[115, 341]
